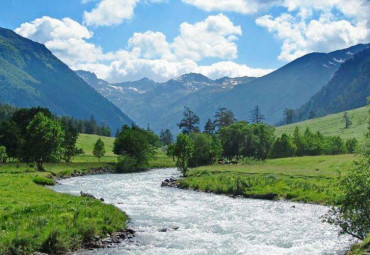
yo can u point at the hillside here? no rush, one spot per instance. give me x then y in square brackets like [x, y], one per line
[348, 89]
[30, 75]
[333, 125]
[161, 104]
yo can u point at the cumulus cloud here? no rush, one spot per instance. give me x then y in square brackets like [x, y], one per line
[317, 25]
[66, 38]
[239, 6]
[213, 37]
[301, 36]
[112, 12]
[147, 54]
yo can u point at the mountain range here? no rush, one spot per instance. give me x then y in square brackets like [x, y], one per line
[30, 75]
[161, 104]
[348, 89]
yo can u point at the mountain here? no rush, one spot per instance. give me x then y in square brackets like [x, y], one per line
[347, 90]
[155, 103]
[161, 104]
[30, 75]
[288, 87]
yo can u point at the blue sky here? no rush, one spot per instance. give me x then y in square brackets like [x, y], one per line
[123, 40]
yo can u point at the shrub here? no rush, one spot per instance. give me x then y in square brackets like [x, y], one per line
[40, 180]
[126, 164]
[351, 145]
[54, 243]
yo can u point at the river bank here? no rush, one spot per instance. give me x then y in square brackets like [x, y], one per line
[203, 223]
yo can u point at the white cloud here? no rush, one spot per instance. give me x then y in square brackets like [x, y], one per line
[112, 12]
[147, 54]
[66, 38]
[301, 36]
[239, 6]
[213, 37]
[317, 25]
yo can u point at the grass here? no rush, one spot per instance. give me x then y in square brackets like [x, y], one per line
[306, 179]
[333, 125]
[35, 218]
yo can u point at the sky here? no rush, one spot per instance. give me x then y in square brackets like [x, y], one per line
[126, 40]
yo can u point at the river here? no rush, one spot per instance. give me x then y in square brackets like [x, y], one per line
[207, 223]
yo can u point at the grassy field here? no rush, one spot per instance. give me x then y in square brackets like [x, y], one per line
[306, 179]
[35, 218]
[333, 125]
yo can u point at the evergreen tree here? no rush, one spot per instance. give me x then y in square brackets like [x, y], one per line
[347, 120]
[165, 137]
[283, 147]
[189, 122]
[210, 127]
[224, 118]
[256, 115]
[289, 115]
[99, 149]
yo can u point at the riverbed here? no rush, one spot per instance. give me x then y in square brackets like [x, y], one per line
[174, 221]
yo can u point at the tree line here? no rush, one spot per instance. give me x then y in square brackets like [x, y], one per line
[226, 137]
[36, 135]
[89, 126]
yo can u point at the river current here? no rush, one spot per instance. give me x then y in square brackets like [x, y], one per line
[203, 223]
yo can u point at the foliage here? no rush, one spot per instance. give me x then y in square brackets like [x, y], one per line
[3, 155]
[126, 164]
[41, 180]
[165, 137]
[352, 145]
[10, 137]
[70, 139]
[99, 149]
[347, 120]
[137, 143]
[224, 118]
[283, 147]
[353, 213]
[256, 115]
[189, 122]
[247, 140]
[183, 151]
[44, 141]
[289, 115]
[210, 127]
[207, 149]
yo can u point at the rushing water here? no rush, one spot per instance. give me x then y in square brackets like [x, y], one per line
[207, 223]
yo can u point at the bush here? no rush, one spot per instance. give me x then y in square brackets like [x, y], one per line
[283, 147]
[351, 145]
[54, 243]
[40, 180]
[126, 164]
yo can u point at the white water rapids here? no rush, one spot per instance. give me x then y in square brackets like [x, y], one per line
[207, 223]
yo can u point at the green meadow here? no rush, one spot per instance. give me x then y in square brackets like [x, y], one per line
[35, 218]
[333, 125]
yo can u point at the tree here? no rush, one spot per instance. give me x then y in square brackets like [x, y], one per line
[189, 122]
[135, 143]
[99, 149]
[165, 137]
[353, 213]
[352, 145]
[256, 115]
[289, 115]
[70, 139]
[224, 118]
[207, 149]
[347, 121]
[183, 150]
[283, 147]
[3, 155]
[10, 137]
[311, 115]
[210, 127]
[43, 141]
